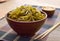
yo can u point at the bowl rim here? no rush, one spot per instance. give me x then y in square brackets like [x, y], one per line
[53, 8]
[27, 21]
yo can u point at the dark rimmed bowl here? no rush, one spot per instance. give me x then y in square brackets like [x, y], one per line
[26, 28]
[50, 12]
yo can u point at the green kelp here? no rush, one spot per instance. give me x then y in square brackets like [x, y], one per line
[26, 13]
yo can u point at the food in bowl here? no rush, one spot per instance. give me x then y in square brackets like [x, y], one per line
[26, 20]
[49, 10]
[26, 13]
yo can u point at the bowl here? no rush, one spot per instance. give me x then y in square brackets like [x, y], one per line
[26, 28]
[49, 10]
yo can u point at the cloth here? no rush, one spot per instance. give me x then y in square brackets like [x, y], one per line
[6, 32]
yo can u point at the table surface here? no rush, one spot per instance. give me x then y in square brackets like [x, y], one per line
[11, 4]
